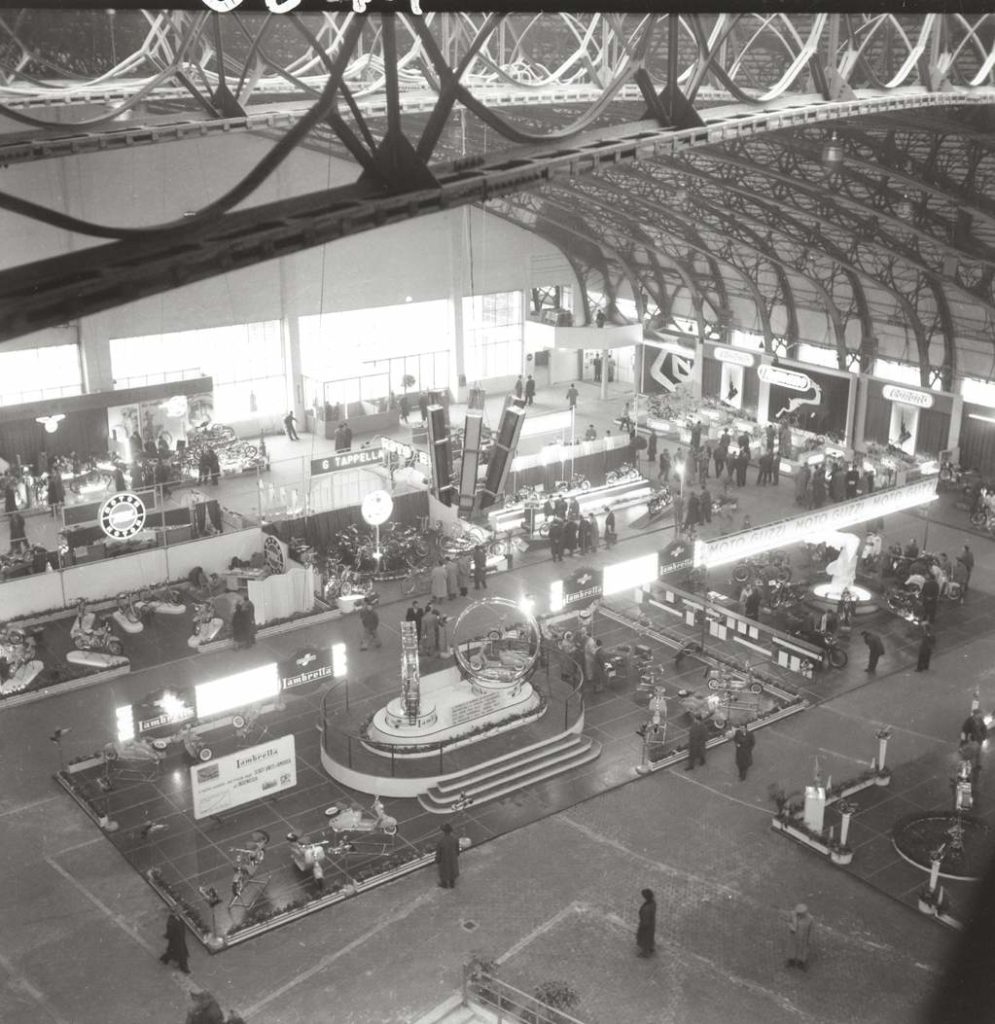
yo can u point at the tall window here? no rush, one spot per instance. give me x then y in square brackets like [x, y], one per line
[245, 360]
[901, 373]
[978, 392]
[36, 373]
[493, 335]
[818, 355]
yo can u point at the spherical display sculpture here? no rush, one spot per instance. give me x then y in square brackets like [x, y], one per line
[496, 642]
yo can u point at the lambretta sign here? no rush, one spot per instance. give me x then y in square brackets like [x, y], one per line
[789, 379]
[906, 396]
[813, 524]
[736, 356]
[240, 778]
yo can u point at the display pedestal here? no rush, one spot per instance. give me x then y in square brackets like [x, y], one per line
[451, 709]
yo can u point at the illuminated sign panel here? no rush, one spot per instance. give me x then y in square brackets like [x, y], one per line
[810, 526]
[894, 393]
[630, 574]
[790, 379]
[250, 687]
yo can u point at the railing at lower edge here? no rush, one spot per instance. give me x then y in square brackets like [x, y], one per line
[507, 1002]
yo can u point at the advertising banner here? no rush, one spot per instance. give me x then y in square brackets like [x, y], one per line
[356, 459]
[306, 669]
[244, 776]
[578, 589]
[810, 526]
[818, 401]
[663, 370]
[677, 555]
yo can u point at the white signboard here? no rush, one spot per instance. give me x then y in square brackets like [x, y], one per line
[242, 777]
[790, 379]
[812, 525]
[736, 356]
[894, 393]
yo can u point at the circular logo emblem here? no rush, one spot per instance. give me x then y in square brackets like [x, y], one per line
[377, 507]
[273, 553]
[122, 515]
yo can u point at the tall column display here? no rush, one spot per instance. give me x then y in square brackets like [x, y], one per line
[410, 677]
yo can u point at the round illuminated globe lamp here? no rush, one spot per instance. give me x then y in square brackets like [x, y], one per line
[827, 597]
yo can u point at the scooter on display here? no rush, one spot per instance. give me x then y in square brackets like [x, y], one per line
[91, 633]
[206, 624]
[354, 819]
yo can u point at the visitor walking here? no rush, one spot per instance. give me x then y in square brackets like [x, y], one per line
[926, 644]
[519, 387]
[447, 858]
[967, 557]
[176, 943]
[800, 928]
[572, 395]
[370, 621]
[610, 535]
[592, 532]
[556, 539]
[697, 741]
[664, 473]
[570, 536]
[290, 425]
[930, 595]
[646, 932]
[875, 648]
[530, 390]
[452, 579]
[744, 741]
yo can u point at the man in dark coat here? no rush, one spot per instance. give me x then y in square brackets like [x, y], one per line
[610, 534]
[556, 539]
[926, 644]
[852, 480]
[691, 515]
[584, 535]
[447, 858]
[697, 739]
[744, 741]
[570, 536]
[874, 650]
[930, 598]
[415, 614]
[176, 942]
[479, 567]
[742, 462]
[751, 603]
[646, 932]
[651, 447]
[530, 390]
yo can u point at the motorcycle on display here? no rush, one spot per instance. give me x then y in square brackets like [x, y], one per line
[781, 594]
[659, 502]
[905, 601]
[91, 633]
[833, 652]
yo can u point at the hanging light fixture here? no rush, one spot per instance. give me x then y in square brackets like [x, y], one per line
[51, 423]
[832, 153]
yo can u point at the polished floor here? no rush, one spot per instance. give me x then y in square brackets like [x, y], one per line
[553, 899]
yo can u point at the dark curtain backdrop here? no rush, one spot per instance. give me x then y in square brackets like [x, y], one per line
[934, 430]
[977, 441]
[320, 530]
[878, 417]
[83, 432]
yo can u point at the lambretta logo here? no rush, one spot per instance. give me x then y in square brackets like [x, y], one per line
[305, 659]
[906, 396]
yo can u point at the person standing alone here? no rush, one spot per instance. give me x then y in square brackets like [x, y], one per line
[800, 927]
[646, 932]
[176, 942]
[744, 741]
[874, 650]
[530, 390]
[572, 395]
[289, 423]
[926, 644]
[447, 858]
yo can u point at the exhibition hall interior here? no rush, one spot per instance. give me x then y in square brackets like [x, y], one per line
[498, 515]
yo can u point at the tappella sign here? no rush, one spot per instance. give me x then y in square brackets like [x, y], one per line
[810, 526]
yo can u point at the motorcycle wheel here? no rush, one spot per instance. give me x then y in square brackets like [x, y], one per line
[979, 519]
[838, 657]
[713, 684]
[586, 485]
[741, 573]
[756, 688]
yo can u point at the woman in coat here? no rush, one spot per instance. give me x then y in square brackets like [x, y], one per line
[646, 932]
[743, 740]
[440, 590]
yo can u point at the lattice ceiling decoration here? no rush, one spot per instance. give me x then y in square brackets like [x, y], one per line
[666, 154]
